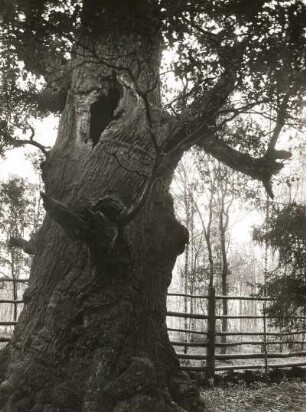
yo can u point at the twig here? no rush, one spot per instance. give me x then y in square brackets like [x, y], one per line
[142, 175]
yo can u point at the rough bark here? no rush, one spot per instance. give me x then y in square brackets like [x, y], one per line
[92, 335]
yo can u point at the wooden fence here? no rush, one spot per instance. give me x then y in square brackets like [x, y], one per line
[210, 343]
[5, 337]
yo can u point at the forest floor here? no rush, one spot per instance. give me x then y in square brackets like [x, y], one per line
[286, 396]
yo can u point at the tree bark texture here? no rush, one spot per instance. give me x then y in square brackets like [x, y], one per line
[92, 335]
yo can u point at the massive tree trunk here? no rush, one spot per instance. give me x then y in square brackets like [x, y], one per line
[92, 335]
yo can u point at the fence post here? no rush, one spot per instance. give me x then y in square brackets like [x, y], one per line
[265, 337]
[15, 294]
[211, 333]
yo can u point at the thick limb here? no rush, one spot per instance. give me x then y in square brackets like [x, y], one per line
[28, 246]
[261, 169]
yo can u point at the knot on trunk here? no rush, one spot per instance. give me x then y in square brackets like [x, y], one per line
[97, 226]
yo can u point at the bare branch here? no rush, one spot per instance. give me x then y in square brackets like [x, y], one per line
[22, 142]
[243, 109]
[114, 155]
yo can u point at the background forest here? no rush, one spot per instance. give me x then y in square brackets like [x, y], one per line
[241, 242]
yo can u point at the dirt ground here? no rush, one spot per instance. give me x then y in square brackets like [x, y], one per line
[258, 397]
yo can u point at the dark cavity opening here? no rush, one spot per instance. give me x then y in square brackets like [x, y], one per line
[102, 113]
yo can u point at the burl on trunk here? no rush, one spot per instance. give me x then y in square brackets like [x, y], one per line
[92, 335]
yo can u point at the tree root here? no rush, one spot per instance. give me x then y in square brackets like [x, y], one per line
[136, 389]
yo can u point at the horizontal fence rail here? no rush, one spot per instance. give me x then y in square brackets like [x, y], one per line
[232, 356]
[196, 332]
[198, 316]
[14, 280]
[15, 302]
[261, 333]
[10, 323]
[222, 345]
[187, 315]
[238, 333]
[263, 299]
[4, 340]
[207, 340]
[241, 367]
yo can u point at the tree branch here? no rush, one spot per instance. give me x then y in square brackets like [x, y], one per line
[280, 120]
[22, 142]
[97, 225]
[26, 245]
[179, 139]
[70, 222]
[261, 169]
[201, 114]
[200, 128]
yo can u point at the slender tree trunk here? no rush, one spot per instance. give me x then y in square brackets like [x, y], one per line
[207, 227]
[224, 281]
[186, 274]
[192, 275]
[93, 335]
[13, 265]
[186, 292]
[15, 297]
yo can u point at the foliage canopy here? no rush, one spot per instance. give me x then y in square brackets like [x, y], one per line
[233, 59]
[285, 232]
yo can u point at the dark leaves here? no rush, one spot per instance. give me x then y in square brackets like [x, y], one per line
[285, 232]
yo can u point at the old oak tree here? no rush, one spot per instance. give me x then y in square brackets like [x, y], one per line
[92, 335]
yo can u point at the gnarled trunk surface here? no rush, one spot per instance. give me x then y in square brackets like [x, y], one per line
[92, 335]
